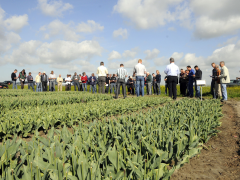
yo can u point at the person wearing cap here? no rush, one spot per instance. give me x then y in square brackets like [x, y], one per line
[52, 80]
[149, 83]
[22, 77]
[68, 81]
[14, 79]
[93, 80]
[191, 76]
[38, 82]
[101, 72]
[198, 76]
[172, 72]
[44, 80]
[59, 82]
[30, 81]
[130, 85]
[121, 74]
[140, 71]
[75, 80]
[84, 80]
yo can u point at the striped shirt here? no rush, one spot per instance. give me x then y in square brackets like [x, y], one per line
[122, 73]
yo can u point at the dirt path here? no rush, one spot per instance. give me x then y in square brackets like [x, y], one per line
[222, 159]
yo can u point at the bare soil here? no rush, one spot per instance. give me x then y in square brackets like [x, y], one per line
[221, 158]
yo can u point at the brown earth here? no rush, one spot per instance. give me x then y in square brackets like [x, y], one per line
[221, 157]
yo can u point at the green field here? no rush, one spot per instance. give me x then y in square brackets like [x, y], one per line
[79, 135]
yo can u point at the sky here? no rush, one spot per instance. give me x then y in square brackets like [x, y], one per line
[69, 36]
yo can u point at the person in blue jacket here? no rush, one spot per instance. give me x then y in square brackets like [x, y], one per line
[92, 80]
[191, 77]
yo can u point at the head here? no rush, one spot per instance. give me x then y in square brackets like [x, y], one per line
[83, 73]
[92, 74]
[153, 74]
[130, 77]
[181, 70]
[44, 72]
[80, 75]
[39, 73]
[15, 71]
[157, 71]
[114, 75]
[189, 67]
[147, 73]
[213, 65]
[140, 61]
[217, 67]
[52, 72]
[222, 63]
[101, 63]
[23, 71]
[187, 71]
[121, 65]
[171, 60]
[196, 68]
[29, 73]
[75, 74]
[107, 75]
[60, 75]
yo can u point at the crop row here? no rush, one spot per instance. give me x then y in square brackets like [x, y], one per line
[28, 120]
[137, 146]
[10, 103]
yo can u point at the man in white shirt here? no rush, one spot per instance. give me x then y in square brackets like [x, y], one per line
[52, 80]
[102, 72]
[68, 81]
[172, 72]
[140, 71]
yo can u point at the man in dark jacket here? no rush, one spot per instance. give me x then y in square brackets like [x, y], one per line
[75, 80]
[154, 84]
[149, 83]
[198, 76]
[214, 74]
[14, 78]
[44, 80]
[158, 81]
[30, 81]
[92, 79]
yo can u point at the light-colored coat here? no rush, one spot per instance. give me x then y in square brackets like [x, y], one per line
[224, 77]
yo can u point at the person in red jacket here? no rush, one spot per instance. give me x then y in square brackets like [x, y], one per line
[84, 80]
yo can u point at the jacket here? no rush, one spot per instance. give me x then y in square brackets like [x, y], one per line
[158, 78]
[42, 80]
[92, 80]
[75, 78]
[198, 75]
[149, 79]
[224, 77]
[21, 76]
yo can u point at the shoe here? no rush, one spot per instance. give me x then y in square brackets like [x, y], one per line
[223, 100]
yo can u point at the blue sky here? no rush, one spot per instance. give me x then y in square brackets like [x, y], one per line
[68, 36]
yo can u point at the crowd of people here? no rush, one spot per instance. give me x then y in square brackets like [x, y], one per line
[135, 83]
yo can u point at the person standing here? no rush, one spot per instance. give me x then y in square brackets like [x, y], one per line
[224, 80]
[180, 81]
[84, 80]
[218, 91]
[214, 74]
[14, 79]
[172, 72]
[154, 84]
[166, 85]
[59, 81]
[198, 76]
[38, 82]
[101, 72]
[149, 83]
[158, 82]
[107, 84]
[75, 80]
[113, 81]
[183, 82]
[93, 80]
[68, 81]
[80, 83]
[191, 76]
[44, 80]
[140, 71]
[52, 80]
[130, 86]
[30, 81]
[121, 74]
[22, 77]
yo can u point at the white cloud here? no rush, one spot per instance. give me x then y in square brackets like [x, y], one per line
[54, 8]
[121, 32]
[147, 14]
[56, 52]
[16, 23]
[164, 61]
[130, 53]
[229, 41]
[151, 54]
[56, 28]
[214, 18]
[171, 29]
[114, 55]
[89, 27]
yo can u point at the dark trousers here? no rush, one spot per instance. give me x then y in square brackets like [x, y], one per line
[22, 84]
[107, 89]
[183, 88]
[131, 90]
[76, 86]
[190, 88]
[121, 82]
[101, 84]
[154, 88]
[172, 85]
[80, 87]
[44, 86]
[213, 88]
[166, 88]
[68, 87]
